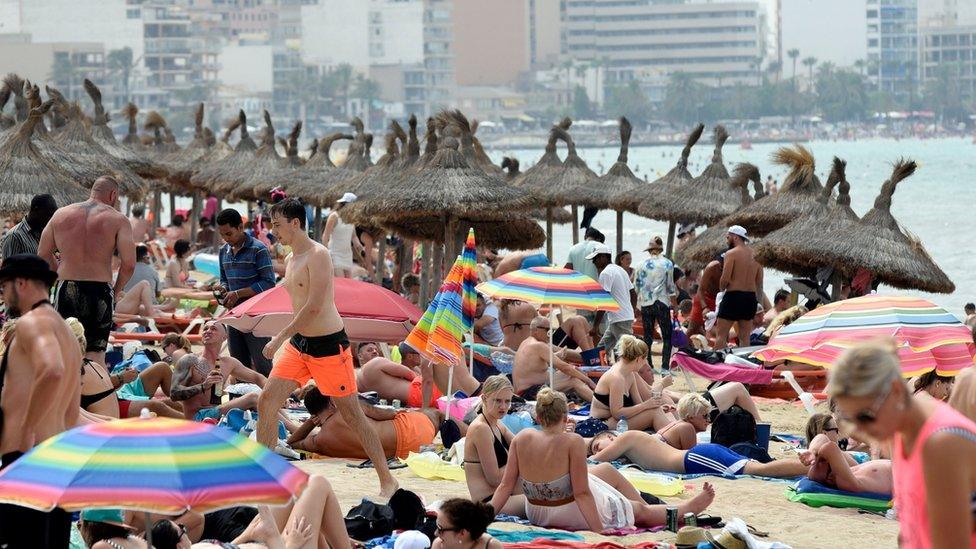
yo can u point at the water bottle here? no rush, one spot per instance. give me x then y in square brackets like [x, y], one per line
[621, 425]
[217, 391]
[502, 361]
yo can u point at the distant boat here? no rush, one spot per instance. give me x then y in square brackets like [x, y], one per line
[745, 145]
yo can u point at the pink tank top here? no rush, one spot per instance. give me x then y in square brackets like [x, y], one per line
[909, 477]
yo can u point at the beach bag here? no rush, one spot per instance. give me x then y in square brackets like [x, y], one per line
[751, 451]
[369, 520]
[733, 426]
[408, 510]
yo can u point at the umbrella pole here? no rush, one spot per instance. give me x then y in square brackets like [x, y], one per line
[575, 224]
[620, 232]
[450, 391]
[438, 264]
[835, 283]
[671, 228]
[157, 204]
[549, 234]
[471, 353]
[380, 266]
[552, 372]
[404, 262]
[425, 253]
[317, 229]
[195, 218]
[148, 531]
[172, 205]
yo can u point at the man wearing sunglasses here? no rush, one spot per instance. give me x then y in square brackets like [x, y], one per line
[829, 466]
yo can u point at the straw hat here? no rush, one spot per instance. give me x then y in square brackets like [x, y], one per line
[726, 540]
[689, 536]
[656, 243]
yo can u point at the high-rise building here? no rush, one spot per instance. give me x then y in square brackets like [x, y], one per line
[946, 13]
[723, 42]
[893, 46]
[544, 33]
[176, 59]
[438, 33]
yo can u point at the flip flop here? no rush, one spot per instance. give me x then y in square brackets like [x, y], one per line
[391, 464]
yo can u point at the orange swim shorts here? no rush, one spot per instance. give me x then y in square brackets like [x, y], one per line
[413, 430]
[415, 399]
[326, 359]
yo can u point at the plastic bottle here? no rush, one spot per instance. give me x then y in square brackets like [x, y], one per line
[502, 361]
[621, 425]
[217, 391]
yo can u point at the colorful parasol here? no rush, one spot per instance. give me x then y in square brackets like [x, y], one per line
[928, 337]
[158, 465]
[450, 315]
[551, 286]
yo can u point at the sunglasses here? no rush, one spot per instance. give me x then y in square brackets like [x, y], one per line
[831, 430]
[869, 415]
[440, 530]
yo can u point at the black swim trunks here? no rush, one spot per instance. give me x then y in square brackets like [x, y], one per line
[321, 346]
[92, 303]
[738, 305]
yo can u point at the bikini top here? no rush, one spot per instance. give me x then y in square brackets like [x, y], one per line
[499, 445]
[88, 400]
[555, 490]
[604, 399]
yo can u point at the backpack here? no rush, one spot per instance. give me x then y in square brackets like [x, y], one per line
[408, 510]
[751, 451]
[369, 520]
[733, 426]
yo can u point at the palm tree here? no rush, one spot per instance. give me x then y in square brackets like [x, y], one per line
[860, 65]
[757, 66]
[368, 90]
[342, 75]
[120, 62]
[63, 72]
[809, 63]
[794, 54]
[774, 69]
[568, 66]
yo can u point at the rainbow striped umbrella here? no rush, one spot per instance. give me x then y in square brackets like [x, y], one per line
[158, 465]
[551, 286]
[928, 337]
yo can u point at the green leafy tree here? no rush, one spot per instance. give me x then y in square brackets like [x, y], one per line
[841, 94]
[810, 63]
[943, 93]
[368, 90]
[684, 99]
[64, 72]
[794, 54]
[120, 63]
[582, 107]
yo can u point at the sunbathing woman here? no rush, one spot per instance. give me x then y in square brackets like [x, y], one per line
[178, 268]
[486, 445]
[621, 392]
[832, 467]
[561, 492]
[936, 386]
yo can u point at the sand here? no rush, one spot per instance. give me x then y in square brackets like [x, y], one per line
[761, 504]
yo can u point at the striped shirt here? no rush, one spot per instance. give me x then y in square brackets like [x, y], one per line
[19, 240]
[250, 267]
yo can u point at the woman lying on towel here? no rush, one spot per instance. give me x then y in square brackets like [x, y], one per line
[560, 492]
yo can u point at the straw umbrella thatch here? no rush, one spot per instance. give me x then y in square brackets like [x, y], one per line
[411, 152]
[619, 179]
[535, 179]
[896, 257]
[512, 232]
[25, 172]
[374, 180]
[103, 135]
[575, 184]
[313, 183]
[131, 139]
[711, 242]
[797, 197]
[268, 175]
[179, 163]
[629, 201]
[217, 152]
[15, 85]
[704, 200]
[560, 216]
[811, 241]
[214, 175]
[235, 182]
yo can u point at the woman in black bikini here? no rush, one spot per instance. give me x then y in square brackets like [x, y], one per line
[486, 444]
[621, 392]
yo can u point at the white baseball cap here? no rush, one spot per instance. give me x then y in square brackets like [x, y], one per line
[411, 539]
[739, 230]
[599, 249]
[348, 197]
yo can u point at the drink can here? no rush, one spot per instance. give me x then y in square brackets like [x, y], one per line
[691, 519]
[384, 402]
[396, 404]
[672, 518]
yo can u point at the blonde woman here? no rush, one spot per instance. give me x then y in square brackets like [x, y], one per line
[487, 443]
[621, 392]
[560, 492]
[934, 450]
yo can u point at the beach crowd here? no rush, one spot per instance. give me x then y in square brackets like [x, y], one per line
[72, 274]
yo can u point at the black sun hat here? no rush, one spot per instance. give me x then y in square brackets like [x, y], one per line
[29, 266]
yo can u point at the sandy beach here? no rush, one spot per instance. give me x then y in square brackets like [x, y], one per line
[761, 504]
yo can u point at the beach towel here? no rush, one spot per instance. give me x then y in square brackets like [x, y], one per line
[815, 494]
[522, 536]
[553, 544]
[722, 372]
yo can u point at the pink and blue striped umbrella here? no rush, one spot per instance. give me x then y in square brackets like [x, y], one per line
[159, 465]
[927, 336]
[551, 286]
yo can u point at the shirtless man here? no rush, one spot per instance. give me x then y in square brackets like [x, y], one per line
[531, 368]
[833, 467]
[86, 235]
[515, 317]
[742, 281]
[141, 228]
[317, 345]
[213, 336]
[400, 432]
[412, 382]
[704, 300]
[193, 379]
[653, 454]
[40, 390]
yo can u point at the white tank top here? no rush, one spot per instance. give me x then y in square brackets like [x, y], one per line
[340, 244]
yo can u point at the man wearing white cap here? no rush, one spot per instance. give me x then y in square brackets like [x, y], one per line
[340, 238]
[614, 280]
[742, 280]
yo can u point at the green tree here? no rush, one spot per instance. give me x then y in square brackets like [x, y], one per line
[794, 54]
[120, 63]
[340, 80]
[368, 90]
[629, 100]
[809, 63]
[582, 107]
[775, 69]
[943, 94]
[684, 99]
[64, 72]
[841, 94]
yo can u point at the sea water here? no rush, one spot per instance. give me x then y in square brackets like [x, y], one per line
[937, 204]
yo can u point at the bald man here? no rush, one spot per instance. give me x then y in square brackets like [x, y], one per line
[86, 235]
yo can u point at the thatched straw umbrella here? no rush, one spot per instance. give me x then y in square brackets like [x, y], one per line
[374, 180]
[100, 131]
[512, 232]
[575, 184]
[315, 182]
[130, 111]
[711, 242]
[280, 172]
[619, 180]
[896, 257]
[25, 172]
[560, 216]
[704, 200]
[410, 153]
[235, 184]
[535, 179]
[179, 164]
[6, 122]
[214, 175]
[797, 196]
[15, 85]
[811, 241]
[217, 152]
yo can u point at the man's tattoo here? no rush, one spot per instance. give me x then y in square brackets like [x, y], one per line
[180, 392]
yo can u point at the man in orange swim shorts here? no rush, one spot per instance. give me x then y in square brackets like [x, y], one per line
[407, 382]
[317, 347]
